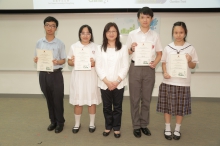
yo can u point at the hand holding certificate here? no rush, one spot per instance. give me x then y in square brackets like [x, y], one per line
[143, 54]
[178, 65]
[44, 62]
[82, 59]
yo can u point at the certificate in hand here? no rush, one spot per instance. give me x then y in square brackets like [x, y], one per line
[178, 65]
[82, 59]
[45, 60]
[143, 54]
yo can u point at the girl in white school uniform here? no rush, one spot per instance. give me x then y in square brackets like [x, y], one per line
[174, 93]
[83, 85]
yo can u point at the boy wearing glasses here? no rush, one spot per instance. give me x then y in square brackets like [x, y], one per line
[142, 78]
[51, 83]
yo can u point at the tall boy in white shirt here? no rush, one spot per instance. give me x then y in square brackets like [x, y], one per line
[142, 78]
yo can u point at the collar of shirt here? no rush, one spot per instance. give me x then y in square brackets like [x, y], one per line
[184, 45]
[140, 31]
[53, 41]
[79, 44]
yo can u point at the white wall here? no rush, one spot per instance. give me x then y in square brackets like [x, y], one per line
[26, 82]
[202, 26]
[20, 32]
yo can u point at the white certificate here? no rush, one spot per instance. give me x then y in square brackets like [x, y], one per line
[178, 65]
[143, 54]
[45, 60]
[82, 59]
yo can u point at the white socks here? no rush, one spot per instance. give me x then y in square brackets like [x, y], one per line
[92, 120]
[77, 121]
[177, 129]
[167, 128]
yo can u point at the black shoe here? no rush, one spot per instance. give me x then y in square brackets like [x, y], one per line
[106, 133]
[146, 131]
[92, 129]
[51, 127]
[76, 129]
[175, 137]
[168, 137]
[117, 135]
[59, 128]
[137, 133]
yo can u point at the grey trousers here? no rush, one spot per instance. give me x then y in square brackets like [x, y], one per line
[141, 84]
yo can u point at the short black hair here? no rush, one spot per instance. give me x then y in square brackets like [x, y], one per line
[180, 23]
[145, 11]
[90, 31]
[51, 19]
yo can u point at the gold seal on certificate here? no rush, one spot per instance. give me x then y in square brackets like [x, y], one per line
[82, 59]
[178, 65]
[45, 60]
[143, 54]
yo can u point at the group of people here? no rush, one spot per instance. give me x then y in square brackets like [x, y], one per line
[105, 82]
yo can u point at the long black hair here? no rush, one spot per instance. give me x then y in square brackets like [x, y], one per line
[90, 31]
[179, 23]
[118, 44]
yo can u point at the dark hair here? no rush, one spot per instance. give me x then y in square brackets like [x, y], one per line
[145, 11]
[90, 31]
[118, 44]
[179, 23]
[51, 19]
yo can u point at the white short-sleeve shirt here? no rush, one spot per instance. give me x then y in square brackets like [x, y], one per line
[139, 37]
[78, 44]
[56, 45]
[185, 49]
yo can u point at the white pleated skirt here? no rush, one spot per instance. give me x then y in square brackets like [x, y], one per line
[84, 88]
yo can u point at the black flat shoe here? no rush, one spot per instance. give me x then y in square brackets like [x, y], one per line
[117, 135]
[146, 131]
[175, 137]
[51, 127]
[106, 133]
[92, 129]
[59, 128]
[137, 133]
[168, 137]
[76, 129]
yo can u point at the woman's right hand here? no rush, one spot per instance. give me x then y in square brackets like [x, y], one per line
[110, 85]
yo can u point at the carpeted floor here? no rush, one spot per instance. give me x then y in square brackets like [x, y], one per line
[24, 120]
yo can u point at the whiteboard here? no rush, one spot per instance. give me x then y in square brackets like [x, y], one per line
[20, 32]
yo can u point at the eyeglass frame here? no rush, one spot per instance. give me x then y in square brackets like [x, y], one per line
[85, 33]
[111, 32]
[50, 26]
